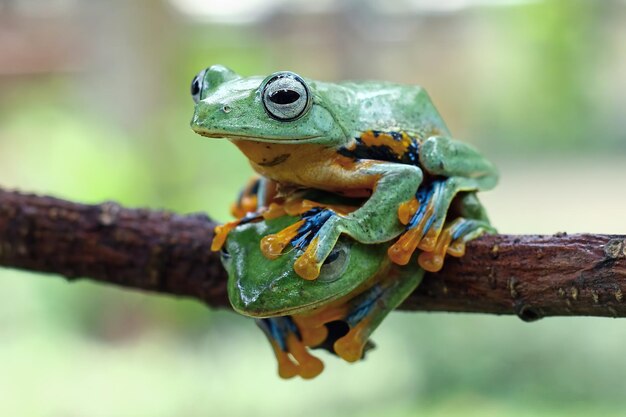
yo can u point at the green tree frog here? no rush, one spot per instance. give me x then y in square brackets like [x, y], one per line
[375, 140]
[357, 286]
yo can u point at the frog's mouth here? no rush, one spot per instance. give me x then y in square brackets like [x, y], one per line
[268, 139]
[288, 311]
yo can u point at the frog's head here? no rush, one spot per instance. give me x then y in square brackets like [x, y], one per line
[282, 107]
[260, 287]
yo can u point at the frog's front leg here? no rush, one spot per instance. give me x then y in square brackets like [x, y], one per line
[376, 221]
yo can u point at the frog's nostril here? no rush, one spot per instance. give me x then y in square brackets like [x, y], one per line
[226, 109]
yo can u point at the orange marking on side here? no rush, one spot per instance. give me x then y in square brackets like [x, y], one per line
[399, 147]
[272, 245]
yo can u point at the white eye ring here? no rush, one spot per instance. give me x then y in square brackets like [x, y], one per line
[285, 96]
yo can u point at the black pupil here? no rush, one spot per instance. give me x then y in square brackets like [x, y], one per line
[195, 86]
[332, 257]
[284, 96]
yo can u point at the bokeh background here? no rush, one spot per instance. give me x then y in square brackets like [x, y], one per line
[95, 105]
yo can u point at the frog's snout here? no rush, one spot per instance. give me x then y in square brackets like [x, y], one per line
[211, 119]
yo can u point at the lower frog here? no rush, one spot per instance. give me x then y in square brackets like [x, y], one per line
[357, 287]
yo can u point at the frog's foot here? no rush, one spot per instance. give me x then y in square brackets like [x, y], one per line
[351, 347]
[221, 232]
[452, 241]
[291, 352]
[418, 215]
[425, 215]
[316, 234]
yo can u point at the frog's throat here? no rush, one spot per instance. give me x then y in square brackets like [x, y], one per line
[266, 139]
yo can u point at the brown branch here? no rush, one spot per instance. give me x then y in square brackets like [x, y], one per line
[531, 276]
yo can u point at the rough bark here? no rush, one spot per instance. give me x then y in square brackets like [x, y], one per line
[531, 276]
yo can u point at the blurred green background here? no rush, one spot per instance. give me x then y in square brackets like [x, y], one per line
[95, 105]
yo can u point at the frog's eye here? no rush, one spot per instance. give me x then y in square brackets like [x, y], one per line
[196, 86]
[226, 258]
[336, 263]
[286, 96]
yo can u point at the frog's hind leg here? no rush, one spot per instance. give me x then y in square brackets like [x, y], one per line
[250, 206]
[291, 353]
[254, 197]
[370, 308]
[425, 216]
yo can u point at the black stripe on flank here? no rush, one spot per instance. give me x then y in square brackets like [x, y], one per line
[359, 150]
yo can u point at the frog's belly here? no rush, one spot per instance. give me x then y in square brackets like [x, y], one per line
[308, 165]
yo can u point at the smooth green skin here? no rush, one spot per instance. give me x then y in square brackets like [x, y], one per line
[260, 287]
[231, 106]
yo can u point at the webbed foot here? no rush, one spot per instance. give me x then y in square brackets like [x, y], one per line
[424, 217]
[315, 234]
[418, 215]
[452, 241]
[291, 352]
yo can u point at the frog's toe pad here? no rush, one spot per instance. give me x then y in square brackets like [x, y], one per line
[273, 245]
[351, 347]
[221, 231]
[452, 241]
[291, 352]
[302, 234]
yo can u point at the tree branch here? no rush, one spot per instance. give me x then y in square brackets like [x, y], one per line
[531, 276]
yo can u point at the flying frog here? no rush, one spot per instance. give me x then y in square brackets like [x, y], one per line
[376, 140]
[357, 287]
